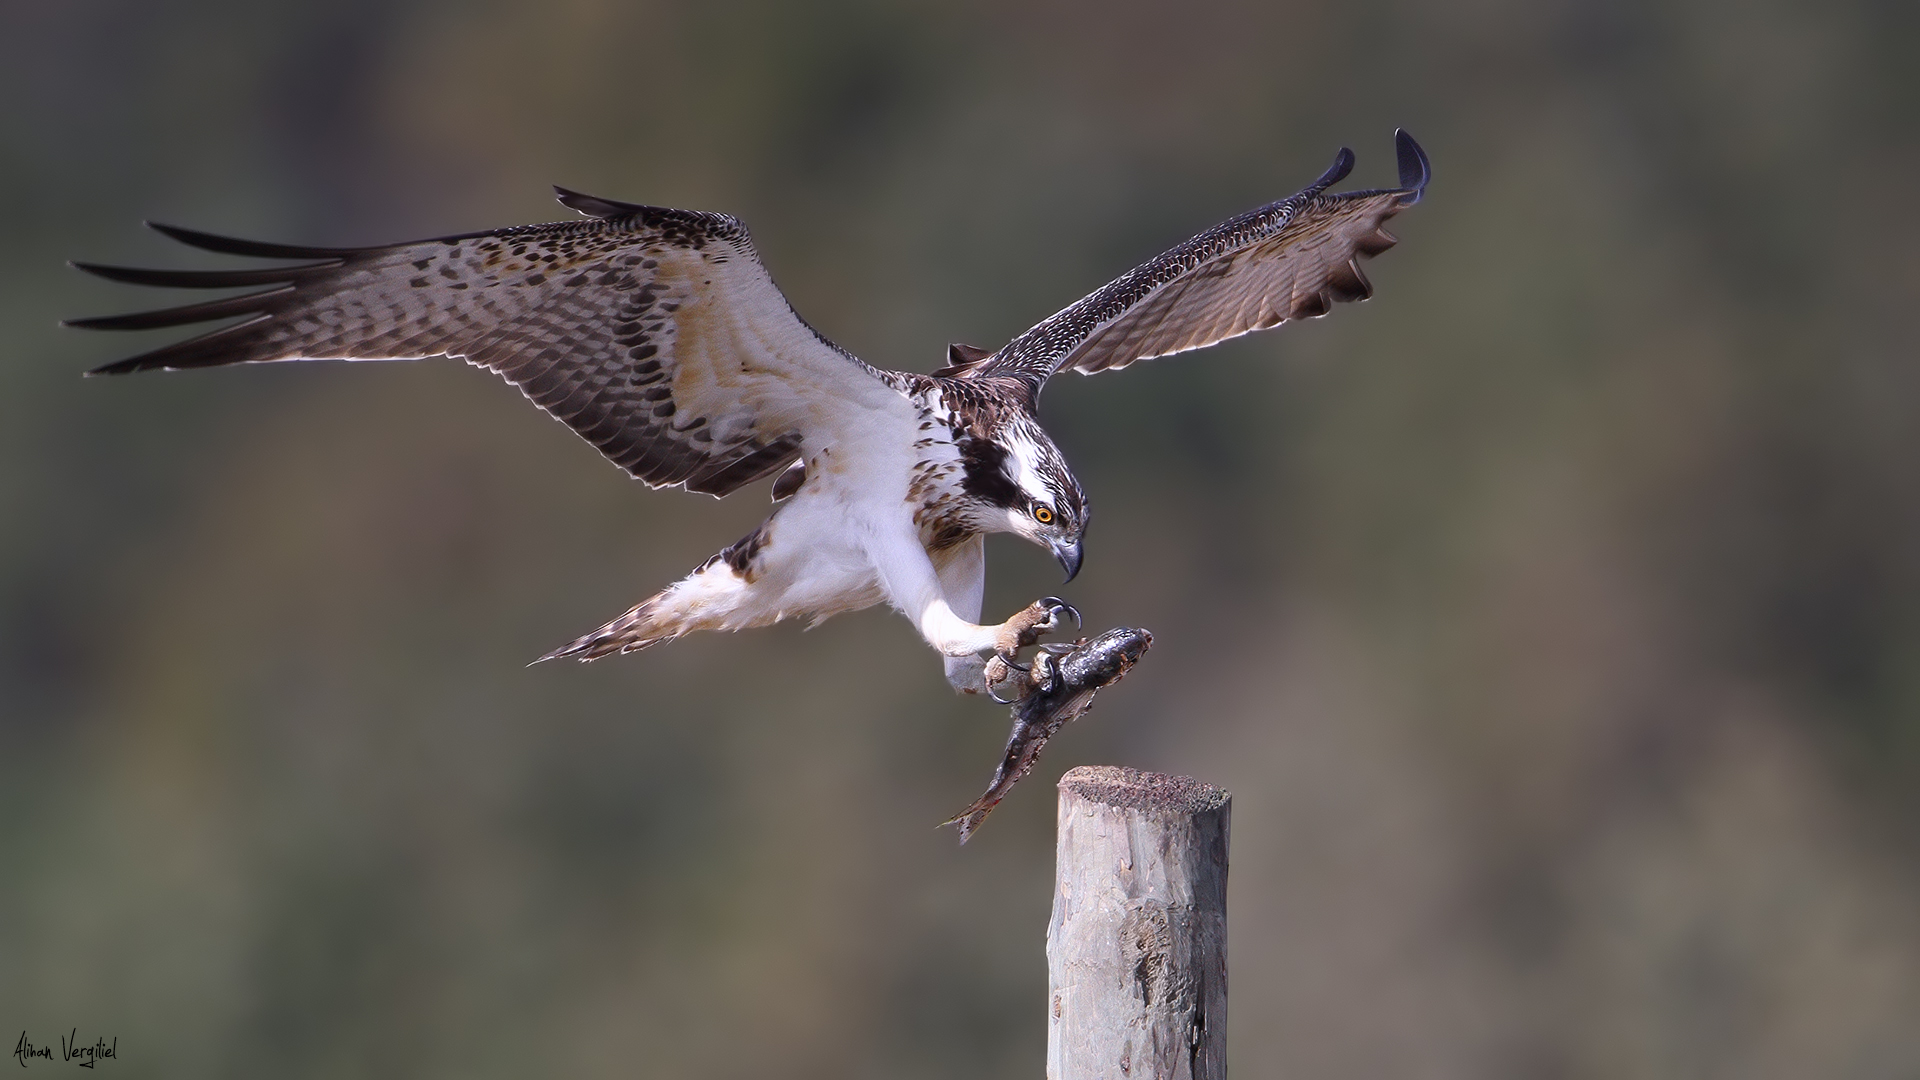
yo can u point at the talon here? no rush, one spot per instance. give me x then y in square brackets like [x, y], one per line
[1007, 659]
[1056, 602]
[998, 670]
[993, 671]
[1043, 672]
[1028, 625]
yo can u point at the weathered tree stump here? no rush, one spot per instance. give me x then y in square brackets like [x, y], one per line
[1137, 948]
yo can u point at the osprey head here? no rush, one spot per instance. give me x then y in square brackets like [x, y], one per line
[1020, 484]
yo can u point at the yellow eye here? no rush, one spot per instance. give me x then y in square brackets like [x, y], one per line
[1043, 515]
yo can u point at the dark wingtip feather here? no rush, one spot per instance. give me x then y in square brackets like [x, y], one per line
[227, 245]
[593, 205]
[118, 367]
[1415, 169]
[249, 304]
[112, 322]
[200, 279]
[1342, 165]
[216, 348]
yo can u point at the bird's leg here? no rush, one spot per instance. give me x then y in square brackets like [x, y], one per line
[996, 673]
[1040, 674]
[944, 605]
[962, 570]
[1026, 627]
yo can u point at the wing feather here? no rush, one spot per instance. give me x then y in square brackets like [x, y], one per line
[1293, 259]
[655, 334]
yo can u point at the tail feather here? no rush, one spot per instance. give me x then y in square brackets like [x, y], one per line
[718, 595]
[631, 632]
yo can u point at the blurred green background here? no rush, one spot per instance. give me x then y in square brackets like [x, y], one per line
[1554, 618]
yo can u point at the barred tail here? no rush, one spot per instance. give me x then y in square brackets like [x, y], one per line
[631, 632]
[718, 595]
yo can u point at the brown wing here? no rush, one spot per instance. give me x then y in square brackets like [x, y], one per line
[1292, 259]
[654, 333]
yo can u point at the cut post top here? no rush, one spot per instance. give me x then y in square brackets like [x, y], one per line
[1131, 789]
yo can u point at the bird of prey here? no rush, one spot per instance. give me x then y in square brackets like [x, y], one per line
[658, 336]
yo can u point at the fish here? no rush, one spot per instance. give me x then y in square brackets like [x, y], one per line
[1060, 687]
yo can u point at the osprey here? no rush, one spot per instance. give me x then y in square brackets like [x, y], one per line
[658, 336]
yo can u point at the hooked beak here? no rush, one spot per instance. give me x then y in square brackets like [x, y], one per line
[1069, 556]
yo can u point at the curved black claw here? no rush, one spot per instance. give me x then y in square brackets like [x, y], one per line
[1003, 669]
[1055, 602]
[1044, 670]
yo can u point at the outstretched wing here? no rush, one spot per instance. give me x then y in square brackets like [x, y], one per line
[654, 333]
[1292, 259]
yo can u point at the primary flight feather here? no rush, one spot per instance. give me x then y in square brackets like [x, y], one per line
[659, 337]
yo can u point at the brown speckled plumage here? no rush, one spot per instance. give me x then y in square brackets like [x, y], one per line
[1291, 259]
[587, 318]
[657, 336]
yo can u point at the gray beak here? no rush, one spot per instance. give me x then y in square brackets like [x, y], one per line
[1069, 556]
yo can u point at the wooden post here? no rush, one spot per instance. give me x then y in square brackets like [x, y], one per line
[1137, 948]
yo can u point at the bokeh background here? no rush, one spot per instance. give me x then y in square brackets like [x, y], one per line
[1554, 618]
